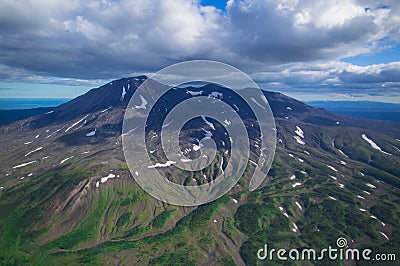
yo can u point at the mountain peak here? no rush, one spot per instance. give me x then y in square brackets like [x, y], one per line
[115, 94]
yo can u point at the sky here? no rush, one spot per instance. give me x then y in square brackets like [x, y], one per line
[308, 49]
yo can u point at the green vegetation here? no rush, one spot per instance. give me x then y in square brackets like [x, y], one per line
[160, 219]
[60, 218]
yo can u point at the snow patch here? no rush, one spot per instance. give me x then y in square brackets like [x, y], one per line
[370, 185]
[299, 140]
[208, 122]
[332, 198]
[293, 177]
[168, 163]
[23, 164]
[227, 122]
[216, 95]
[373, 144]
[38, 149]
[143, 104]
[92, 133]
[334, 178]
[264, 99]
[104, 179]
[342, 153]
[29, 142]
[123, 93]
[73, 125]
[289, 108]
[194, 93]
[105, 110]
[255, 101]
[332, 168]
[196, 147]
[167, 124]
[298, 205]
[208, 134]
[66, 159]
[295, 226]
[384, 235]
[253, 162]
[53, 133]
[235, 200]
[299, 132]
[49, 112]
[297, 184]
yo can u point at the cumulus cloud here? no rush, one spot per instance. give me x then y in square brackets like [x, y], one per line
[334, 80]
[287, 43]
[101, 39]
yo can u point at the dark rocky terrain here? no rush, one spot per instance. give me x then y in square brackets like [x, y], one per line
[67, 196]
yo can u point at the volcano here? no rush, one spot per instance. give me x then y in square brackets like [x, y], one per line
[68, 197]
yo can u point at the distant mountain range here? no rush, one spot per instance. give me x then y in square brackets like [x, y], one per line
[68, 197]
[12, 110]
[365, 109]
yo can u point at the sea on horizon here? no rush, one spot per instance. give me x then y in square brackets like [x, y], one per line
[30, 103]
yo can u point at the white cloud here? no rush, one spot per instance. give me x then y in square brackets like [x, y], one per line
[285, 44]
[101, 39]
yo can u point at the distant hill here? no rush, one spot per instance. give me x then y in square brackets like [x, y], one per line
[366, 109]
[13, 109]
[10, 116]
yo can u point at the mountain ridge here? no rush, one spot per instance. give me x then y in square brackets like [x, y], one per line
[68, 195]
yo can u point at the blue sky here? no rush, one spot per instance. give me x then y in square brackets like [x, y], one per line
[308, 49]
[220, 4]
[388, 55]
[40, 90]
